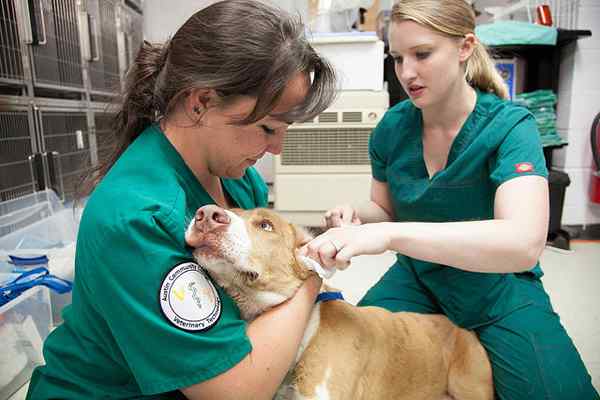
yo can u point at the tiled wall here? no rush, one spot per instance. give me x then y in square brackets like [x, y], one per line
[578, 104]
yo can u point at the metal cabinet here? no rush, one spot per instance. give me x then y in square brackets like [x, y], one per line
[11, 60]
[60, 60]
[103, 47]
[43, 145]
[130, 34]
[55, 44]
[52, 43]
[105, 136]
[64, 136]
[17, 144]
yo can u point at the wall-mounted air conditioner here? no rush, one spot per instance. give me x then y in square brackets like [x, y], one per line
[325, 162]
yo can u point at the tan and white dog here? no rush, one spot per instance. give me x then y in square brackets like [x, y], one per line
[347, 352]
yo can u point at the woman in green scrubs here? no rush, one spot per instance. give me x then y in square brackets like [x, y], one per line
[146, 321]
[459, 190]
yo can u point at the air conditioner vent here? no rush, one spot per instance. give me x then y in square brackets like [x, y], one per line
[331, 146]
[328, 117]
[352, 116]
[308, 121]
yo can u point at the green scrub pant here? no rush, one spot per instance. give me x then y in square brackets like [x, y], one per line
[531, 354]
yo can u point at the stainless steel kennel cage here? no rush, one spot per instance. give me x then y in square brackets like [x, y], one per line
[61, 65]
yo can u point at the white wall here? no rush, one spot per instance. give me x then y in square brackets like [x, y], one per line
[162, 19]
[578, 103]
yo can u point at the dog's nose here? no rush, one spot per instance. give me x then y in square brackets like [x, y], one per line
[210, 217]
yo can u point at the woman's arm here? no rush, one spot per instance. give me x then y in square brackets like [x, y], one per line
[378, 209]
[511, 242]
[275, 337]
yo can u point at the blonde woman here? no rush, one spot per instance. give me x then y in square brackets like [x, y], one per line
[459, 190]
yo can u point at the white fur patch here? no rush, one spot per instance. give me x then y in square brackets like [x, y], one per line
[310, 331]
[269, 299]
[321, 391]
[237, 242]
[235, 246]
[188, 231]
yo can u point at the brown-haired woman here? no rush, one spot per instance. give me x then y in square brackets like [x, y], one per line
[197, 113]
[459, 190]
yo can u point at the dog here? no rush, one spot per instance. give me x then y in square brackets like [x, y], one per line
[347, 352]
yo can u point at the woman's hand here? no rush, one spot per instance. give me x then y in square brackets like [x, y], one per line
[337, 246]
[341, 215]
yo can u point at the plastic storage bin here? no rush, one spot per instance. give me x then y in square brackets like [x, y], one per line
[61, 265]
[39, 224]
[24, 324]
[35, 221]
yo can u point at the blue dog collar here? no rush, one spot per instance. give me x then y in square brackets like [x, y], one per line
[328, 296]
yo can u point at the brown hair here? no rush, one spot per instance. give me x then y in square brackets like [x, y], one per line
[455, 19]
[236, 47]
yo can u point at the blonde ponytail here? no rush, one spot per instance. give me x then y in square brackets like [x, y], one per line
[482, 74]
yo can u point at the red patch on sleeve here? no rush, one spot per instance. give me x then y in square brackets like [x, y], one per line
[523, 167]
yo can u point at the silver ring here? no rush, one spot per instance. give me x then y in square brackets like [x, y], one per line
[336, 245]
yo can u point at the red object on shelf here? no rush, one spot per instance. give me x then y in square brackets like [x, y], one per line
[595, 178]
[595, 187]
[544, 15]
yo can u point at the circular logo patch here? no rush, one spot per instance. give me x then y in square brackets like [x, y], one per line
[188, 298]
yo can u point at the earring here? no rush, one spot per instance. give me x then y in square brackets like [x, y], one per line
[197, 109]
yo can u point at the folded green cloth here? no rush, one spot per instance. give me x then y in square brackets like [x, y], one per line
[552, 140]
[541, 104]
[537, 99]
[503, 33]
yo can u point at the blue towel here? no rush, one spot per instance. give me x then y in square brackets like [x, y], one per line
[504, 33]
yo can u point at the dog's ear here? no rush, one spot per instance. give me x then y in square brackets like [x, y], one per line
[302, 236]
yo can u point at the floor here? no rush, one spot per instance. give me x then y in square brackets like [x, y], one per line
[571, 278]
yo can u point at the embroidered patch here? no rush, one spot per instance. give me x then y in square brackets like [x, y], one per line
[188, 298]
[523, 167]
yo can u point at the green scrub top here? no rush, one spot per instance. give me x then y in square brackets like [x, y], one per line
[498, 141]
[124, 336]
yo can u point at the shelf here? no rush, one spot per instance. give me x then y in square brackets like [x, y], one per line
[564, 37]
[542, 72]
[543, 61]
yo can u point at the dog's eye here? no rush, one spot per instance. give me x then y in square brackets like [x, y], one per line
[266, 226]
[250, 275]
